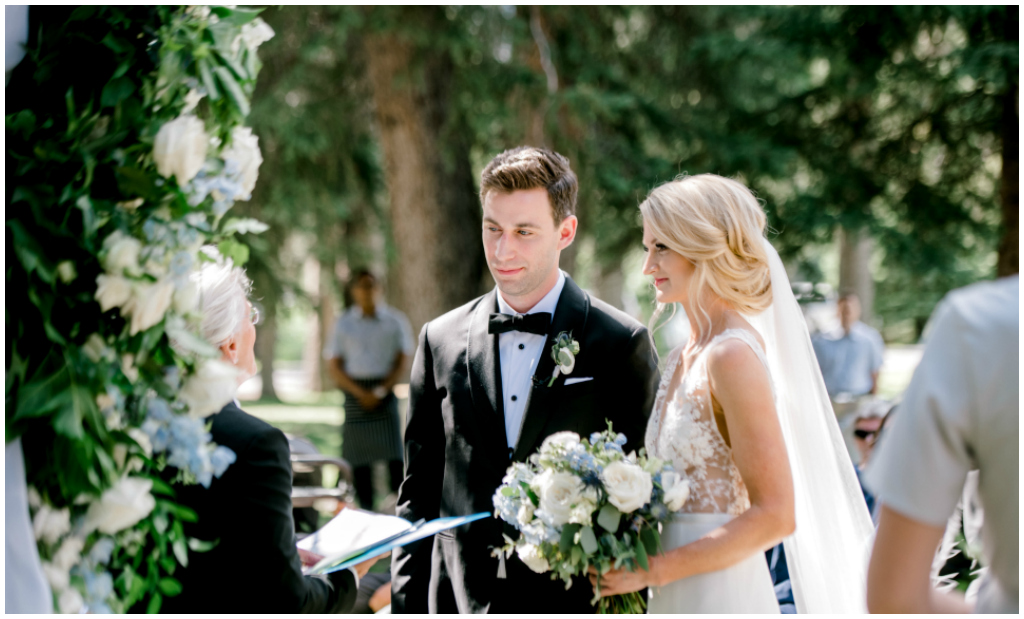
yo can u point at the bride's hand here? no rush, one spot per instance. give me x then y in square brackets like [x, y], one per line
[616, 582]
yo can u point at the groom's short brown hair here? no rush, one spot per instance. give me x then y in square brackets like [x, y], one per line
[528, 167]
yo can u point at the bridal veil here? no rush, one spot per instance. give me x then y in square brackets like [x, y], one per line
[828, 552]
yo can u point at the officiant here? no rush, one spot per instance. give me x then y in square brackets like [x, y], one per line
[255, 566]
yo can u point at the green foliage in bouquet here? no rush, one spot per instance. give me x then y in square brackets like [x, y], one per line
[125, 148]
[584, 502]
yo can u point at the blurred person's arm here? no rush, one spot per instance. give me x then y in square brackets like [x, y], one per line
[899, 575]
[918, 471]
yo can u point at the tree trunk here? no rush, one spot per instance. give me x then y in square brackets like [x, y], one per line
[1009, 190]
[266, 330]
[435, 213]
[855, 268]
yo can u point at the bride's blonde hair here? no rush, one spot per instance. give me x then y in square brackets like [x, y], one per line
[717, 224]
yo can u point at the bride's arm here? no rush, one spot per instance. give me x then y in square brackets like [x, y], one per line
[741, 386]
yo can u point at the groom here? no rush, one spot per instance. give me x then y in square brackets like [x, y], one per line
[481, 395]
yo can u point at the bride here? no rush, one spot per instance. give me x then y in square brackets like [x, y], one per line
[743, 411]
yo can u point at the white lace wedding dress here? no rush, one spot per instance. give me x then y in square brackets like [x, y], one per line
[682, 430]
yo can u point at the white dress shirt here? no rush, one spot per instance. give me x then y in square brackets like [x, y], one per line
[519, 353]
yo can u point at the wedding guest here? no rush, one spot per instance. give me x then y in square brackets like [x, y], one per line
[960, 412]
[866, 426]
[367, 355]
[851, 355]
[850, 358]
[255, 566]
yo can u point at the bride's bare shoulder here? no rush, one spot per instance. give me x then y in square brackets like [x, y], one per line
[733, 360]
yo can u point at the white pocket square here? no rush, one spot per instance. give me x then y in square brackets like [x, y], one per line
[573, 381]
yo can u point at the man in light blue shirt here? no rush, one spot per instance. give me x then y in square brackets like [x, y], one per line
[850, 356]
[366, 356]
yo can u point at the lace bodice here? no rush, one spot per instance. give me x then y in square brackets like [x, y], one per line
[682, 430]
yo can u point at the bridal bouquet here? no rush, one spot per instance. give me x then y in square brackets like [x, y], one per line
[584, 502]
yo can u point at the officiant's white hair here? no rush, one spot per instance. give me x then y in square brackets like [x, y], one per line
[223, 290]
[717, 224]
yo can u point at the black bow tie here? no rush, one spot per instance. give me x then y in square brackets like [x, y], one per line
[538, 323]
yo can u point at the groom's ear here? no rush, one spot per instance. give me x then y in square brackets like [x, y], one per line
[567, 231]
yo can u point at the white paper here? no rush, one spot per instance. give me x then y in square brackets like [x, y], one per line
[351, 530]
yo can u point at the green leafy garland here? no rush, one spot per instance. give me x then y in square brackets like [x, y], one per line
[125, 148]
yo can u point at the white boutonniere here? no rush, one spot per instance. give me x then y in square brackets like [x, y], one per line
[564, 353]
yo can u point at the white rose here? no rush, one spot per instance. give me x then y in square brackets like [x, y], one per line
[245, 151]
[192, 99]
[57, 577]
[142, 439]
[70, 552]
[557, 492]
[186, 298]
[128, 367]
[629, 487]
[149, 304]
[525, 514]
[256, 33]
[70, 602]
[677, 490]
[131, 205]
[122, 254]
[211, 387]
[564, 439]
[533, 558]
[66, 271]
[121, 506]
[582, 513]
[34, 500]
[49, 523]
[112, 291]
[180, 148]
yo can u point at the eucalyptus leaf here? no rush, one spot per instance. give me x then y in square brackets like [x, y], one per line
[641, 557]
[588, 541]
[154, 604]
[568, 540]
[608, 518]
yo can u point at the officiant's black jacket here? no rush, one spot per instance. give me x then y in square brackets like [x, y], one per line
[255, 567]
[456, 452]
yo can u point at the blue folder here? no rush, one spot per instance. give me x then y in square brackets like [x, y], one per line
[418, 531]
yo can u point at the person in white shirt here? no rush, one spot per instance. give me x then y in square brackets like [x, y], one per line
[960, 413]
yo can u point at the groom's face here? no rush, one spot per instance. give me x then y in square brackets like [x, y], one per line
[522, 243]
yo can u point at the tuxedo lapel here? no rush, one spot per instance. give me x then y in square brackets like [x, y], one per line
[570, 316]
[485, 374]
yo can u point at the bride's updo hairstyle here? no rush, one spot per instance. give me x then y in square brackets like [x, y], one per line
[717, 224]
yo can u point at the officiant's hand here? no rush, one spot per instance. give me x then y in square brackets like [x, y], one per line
[363, 568]
[309, 558]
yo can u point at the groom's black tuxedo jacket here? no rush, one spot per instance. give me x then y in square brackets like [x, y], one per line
[254, 568]
[456, 452]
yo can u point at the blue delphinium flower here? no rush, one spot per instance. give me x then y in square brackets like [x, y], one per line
[101, 551]
[221, 458]
[595, 437]
[620, 439]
